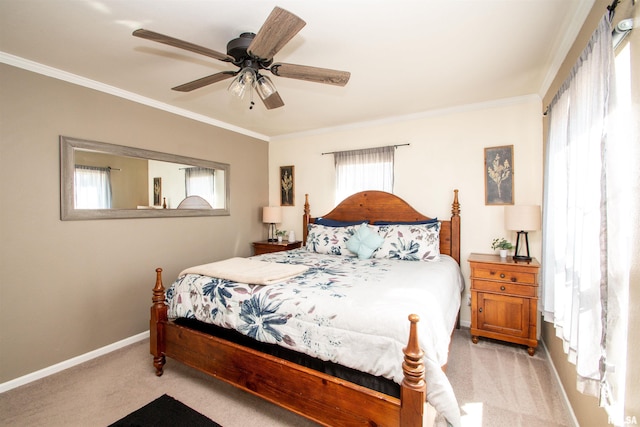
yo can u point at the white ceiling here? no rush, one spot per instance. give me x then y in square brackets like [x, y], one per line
[406, 58]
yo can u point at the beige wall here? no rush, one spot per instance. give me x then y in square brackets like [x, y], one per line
[446, 152]
[586, 408]
[67, 288]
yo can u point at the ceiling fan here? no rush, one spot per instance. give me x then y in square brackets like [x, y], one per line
[253, 53]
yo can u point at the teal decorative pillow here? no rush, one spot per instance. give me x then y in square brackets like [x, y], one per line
[364, 242]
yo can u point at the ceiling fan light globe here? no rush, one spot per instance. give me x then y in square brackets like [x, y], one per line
[237, 88]
[265, 87]
[245, 79]
[248, 76]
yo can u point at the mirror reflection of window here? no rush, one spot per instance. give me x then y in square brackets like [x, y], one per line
[200, 182]
[144, 181]
[92, 187]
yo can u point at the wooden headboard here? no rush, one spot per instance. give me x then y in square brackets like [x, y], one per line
[375, 206]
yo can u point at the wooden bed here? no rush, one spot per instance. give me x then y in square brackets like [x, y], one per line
[320, 397]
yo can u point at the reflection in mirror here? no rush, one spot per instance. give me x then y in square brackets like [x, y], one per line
[100, 180]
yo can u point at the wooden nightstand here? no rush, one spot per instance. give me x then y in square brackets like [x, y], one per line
[265, 247]
[504, 299]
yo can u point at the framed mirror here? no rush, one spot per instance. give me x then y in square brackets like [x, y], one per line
[105, 181]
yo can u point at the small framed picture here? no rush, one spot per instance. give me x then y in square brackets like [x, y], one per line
[287, 186]
[157, 191]
[498, 175]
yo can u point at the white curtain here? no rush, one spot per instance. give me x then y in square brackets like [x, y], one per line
[200, 182]
[359, 170]
[585, 267]
[92, 187]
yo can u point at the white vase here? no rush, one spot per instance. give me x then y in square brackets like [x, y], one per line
[503, 253]
[292, 236]
[279, 239]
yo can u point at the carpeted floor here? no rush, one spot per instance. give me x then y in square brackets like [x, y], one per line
[496, 385]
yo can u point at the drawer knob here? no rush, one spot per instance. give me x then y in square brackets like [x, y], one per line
[502, 288]
[480, 309]
[502, 275]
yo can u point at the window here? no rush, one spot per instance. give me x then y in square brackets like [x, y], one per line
[92, 187]
[200, 182]
[359, 170]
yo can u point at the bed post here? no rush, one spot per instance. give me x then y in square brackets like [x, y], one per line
[455, 227]
[156, 324]
[413, 389]
[306, 218]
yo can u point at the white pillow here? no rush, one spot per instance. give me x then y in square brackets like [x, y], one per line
[329, 240]
[418, 242]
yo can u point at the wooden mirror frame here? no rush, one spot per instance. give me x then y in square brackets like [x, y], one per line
[68, 212]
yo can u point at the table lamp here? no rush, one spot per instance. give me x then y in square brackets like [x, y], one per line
[522, 218]
[272, 215]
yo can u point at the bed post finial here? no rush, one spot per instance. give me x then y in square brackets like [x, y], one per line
[306, 218]
[455, 227]
[158, 290]
[455, 206]
[156, 324]
[413, 389]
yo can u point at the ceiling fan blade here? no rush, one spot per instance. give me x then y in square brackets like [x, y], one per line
[312, 74]
[161, 38]
[273, 101]
[277, 30]
[197, 84]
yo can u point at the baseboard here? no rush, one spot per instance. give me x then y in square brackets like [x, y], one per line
[565, 398]
[71, 362]
[465, 323]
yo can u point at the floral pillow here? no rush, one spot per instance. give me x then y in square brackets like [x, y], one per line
[419, 242]
[329, 240]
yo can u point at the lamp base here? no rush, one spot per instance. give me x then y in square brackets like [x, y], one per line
[272, 233]
[517, 257]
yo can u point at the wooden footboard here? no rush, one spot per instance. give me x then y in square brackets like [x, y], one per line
[314, 395]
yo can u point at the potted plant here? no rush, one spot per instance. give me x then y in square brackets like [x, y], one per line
[501, 244]
[280, 235]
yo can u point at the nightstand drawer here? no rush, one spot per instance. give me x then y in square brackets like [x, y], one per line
[504, 275]
[504, 288]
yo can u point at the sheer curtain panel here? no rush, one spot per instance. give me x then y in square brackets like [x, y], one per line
[585, 267]
[200, 182]
[359, 170]
[92, 187]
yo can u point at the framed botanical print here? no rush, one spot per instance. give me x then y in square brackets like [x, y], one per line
[287, 186]
[157, 191]
[498, 175]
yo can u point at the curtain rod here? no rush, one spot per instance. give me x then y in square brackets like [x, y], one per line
[371, 148]
[101, 167]
[612, 9]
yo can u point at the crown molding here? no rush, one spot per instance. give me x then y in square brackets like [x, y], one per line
[55, 73]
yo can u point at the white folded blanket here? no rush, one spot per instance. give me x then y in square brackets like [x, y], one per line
[245, 270]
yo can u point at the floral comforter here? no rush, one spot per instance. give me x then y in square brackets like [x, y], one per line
[342, 309]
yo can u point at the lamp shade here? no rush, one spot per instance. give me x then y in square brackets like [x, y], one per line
[522, 217]
[272, 214]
